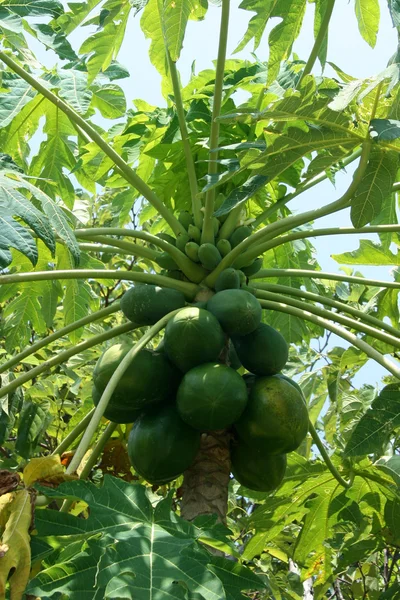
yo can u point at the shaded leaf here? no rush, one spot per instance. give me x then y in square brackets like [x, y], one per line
[32, 424]
[241, 194]
[373, 431]
[384, 129]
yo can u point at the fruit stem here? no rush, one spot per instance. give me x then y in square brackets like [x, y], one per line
[73, 434]
[323, 275]
[332, 316]
[196, 202]
[340, 331]
[207, 235]
[127, 172]
[97, 450]
[229, 226]
[109, 390]
[318, 442]
[193, 271]
[281, 226]
[132, 249]
[100, 314]
[259, 249]
[301, 189]
[319, 40]
[189, 289]
[341, 306]
[64, 356]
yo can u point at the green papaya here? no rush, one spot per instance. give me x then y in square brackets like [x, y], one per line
[150, 378]
[181, 241]
[240, 234]
[228, 279]
[253, 268]
[211, 396]
[224, 246]
[145, 304]
[192, 251]
[238, 311]
[161, 446]
[255, 469]
[216, 225]
[167, 238]
[120, 408]
[185, 219]
[264, 351]
[192, 337]
[275, 419]
[194, 233]
[242, 277]
[166, 261]
[209, 256]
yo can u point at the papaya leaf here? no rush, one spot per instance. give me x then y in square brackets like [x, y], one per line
[46, 469]
[73, 89]
[283, 35]
[33, 422]
[18, 93]
[27, 8]
[368, 14]
[394, 8]
[110, 101]
[174, 17]
[374, 429]
[385, 129]
[257, 24]
[368, 253]
[54, 40]
[320, 8]
[241, 194]
[152, 27]
[391, 466]
[15, 554]
[78, 11]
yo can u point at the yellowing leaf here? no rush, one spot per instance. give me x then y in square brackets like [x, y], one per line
[15, 552]
[42, 468]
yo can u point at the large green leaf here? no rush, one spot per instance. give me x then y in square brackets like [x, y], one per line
[374, 429]
[33, 8]
[257, 24]
[142, 553]
[18, 93]
[174, 17]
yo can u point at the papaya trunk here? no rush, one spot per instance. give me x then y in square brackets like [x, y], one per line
[205, 485]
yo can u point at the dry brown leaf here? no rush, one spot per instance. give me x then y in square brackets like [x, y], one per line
[15, 555]
[9, 480]
[115, 460]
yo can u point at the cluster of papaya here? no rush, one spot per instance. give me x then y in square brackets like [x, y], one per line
[190, 384]
[208, 255]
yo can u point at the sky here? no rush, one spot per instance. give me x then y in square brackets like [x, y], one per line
[346, 49]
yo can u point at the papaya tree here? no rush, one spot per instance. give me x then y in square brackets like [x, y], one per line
[181, 407]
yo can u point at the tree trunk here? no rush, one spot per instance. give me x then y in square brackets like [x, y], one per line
[205, 485]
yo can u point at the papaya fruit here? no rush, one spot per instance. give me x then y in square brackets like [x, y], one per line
[161, 446]
[167, 238]
[216, 225]
[257, 470]
[242, 277]
[181, 241]
[240, 234]
[209, 256]
[193, 336]
[253, 268]
[166, 261]
[185, 219]
[228, 279]
[233, 359]
[238, 311]
[264, 351]
[224, 246]
[145, 304]
[211, 396]
[194, 233]
[275, 420]
[119, 408]
[149, 379]
[192, 251]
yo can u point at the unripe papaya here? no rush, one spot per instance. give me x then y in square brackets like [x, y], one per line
[181, 241]
[216, 224]
[192, 251]
[242, 277]
[185, 219]
[166, 262]
[224, 247]
[167, 238]
[209, 256]
[240, 234]
[228, 279]
[253, 268]
[195, 233]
